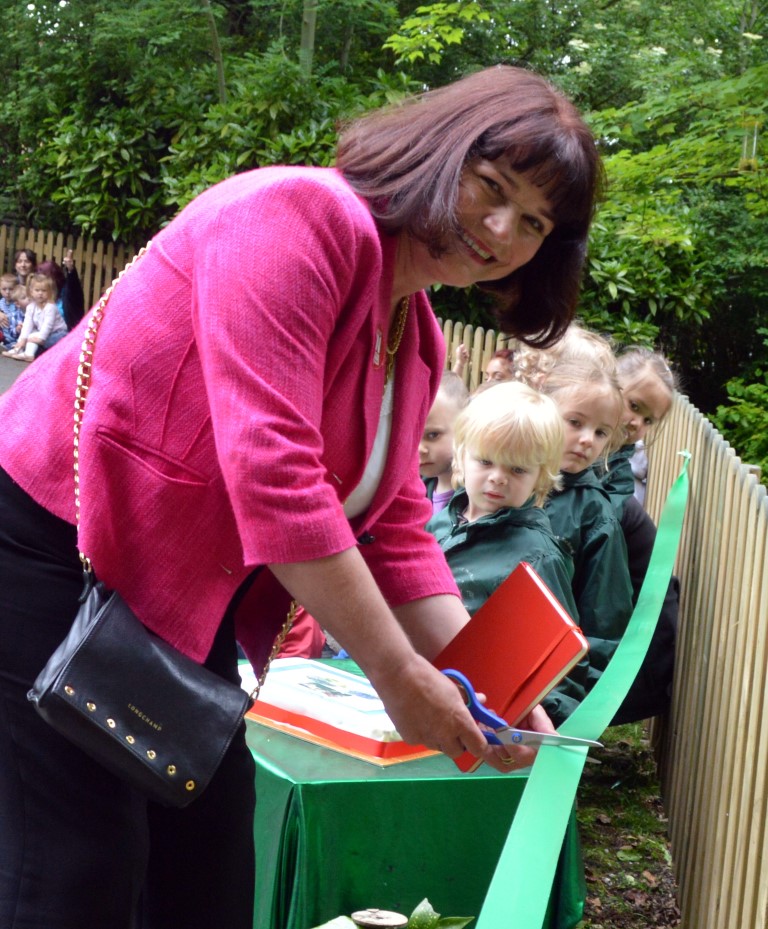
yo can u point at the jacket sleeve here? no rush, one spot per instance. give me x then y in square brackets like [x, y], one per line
[405, 559]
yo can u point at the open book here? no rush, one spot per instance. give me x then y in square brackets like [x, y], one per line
[515, 649]
[320, 702]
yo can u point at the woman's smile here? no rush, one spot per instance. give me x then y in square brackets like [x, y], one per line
[476, 248]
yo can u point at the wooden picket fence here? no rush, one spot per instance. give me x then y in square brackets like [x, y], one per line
[97, 263]
[714, 746]
[481, 344]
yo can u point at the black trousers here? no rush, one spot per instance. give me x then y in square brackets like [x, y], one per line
[79, 849]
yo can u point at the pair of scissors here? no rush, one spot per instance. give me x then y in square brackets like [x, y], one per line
[501, 733]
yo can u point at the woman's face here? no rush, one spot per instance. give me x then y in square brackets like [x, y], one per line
[23, 265]
[503, 219]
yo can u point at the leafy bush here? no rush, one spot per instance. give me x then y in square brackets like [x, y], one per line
[744, 420]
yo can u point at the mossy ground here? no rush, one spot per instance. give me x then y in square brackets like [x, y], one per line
[623, 828]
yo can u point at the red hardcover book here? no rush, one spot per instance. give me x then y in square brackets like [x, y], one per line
[515, 649]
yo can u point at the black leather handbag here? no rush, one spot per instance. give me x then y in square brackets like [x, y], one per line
[147, 713]
[131, 701]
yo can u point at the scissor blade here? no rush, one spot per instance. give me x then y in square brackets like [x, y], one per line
[528, 737]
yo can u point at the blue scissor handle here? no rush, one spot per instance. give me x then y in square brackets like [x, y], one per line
[475, 707]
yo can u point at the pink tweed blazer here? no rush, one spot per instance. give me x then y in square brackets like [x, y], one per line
[229, 438]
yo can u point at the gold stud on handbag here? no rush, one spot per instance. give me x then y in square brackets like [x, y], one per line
[131, 701]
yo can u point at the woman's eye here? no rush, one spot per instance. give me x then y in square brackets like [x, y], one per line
[493, 185]
[535, 224]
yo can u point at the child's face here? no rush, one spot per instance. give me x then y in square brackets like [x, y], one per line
[6, 289]
[39, 293]
[436, 446]
[491, 486]
[591, 417]
[646, 402]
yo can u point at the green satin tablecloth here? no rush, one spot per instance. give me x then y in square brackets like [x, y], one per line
[335, 834]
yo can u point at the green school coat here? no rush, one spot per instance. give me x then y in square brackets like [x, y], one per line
[584, 521]
[617, 479]
[484, 553]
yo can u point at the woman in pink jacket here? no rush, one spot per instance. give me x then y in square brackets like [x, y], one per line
[262, 448]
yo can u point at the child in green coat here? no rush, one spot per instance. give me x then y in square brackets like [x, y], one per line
[507, 448]
[581, 512]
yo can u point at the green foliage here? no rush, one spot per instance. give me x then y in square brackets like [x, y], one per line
[743, 421]
[273, 116]
[432, 28]
[105, 176]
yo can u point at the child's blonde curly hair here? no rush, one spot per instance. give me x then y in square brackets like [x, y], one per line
[515, 425]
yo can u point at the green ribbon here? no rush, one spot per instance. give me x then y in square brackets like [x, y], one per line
[521, 885]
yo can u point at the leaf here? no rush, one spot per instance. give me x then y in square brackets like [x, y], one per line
[424, 917]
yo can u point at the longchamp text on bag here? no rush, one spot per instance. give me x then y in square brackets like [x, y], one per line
[131, 701]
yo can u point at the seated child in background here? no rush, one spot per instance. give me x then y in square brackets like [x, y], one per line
[581, 513]
[71, 300]
[508, 444]
[43, 323]
[11, 314]
[436, 446]
[648, 385]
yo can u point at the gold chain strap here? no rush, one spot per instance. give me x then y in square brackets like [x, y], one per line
[81, 395]
[276, 646]
[84, 384]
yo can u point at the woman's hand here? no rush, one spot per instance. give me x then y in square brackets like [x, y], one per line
[426, 709]
[68, 261]
[430, 715]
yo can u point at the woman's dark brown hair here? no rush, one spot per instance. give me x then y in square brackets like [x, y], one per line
[407, 162]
